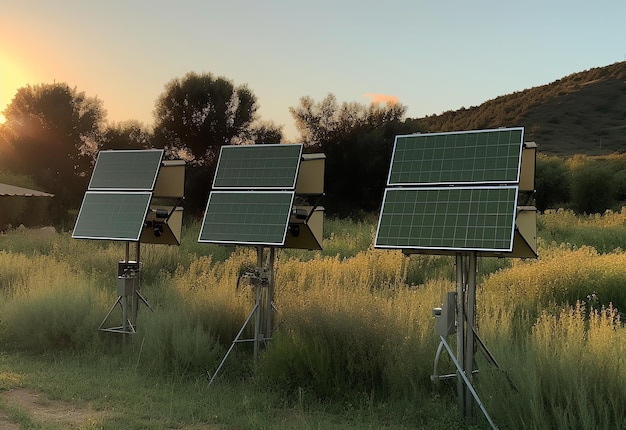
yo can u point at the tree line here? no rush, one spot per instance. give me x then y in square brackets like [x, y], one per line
[53, 133]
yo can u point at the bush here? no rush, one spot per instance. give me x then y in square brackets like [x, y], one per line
[551, 182]
[47, 306]
[592, 188]
[171, 342]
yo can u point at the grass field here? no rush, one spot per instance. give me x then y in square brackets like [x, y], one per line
[354, 346]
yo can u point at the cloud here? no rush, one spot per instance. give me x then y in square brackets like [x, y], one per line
[382, 98]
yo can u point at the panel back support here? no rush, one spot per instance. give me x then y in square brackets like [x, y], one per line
[311, 175]
[306, 230]
[170, 180]
[163, 231]
[527, 167]
[525, 239]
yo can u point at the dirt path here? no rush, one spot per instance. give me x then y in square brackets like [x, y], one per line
[43, 410]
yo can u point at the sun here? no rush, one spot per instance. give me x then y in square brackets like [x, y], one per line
[13, 76]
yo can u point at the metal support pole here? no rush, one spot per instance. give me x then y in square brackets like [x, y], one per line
[257, 322]
[135, 294]
[468, 383]
[259, 303]
[460, 332]
[470, 313]
[232, 345]
[270, 294]
[261, 279]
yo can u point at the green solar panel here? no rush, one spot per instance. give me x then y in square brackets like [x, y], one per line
[258, 167]
[112, 215]
[247, 217]
[126, 170]
[470, 157]
[448, 218]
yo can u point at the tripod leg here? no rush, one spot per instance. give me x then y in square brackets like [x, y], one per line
[145, 302]
[254, 310]
[118, 301]
[467, 382]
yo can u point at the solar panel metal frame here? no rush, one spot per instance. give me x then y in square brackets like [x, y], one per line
[451, 163]
[115, 170]
[436, 249]
[222, 181]
[109, 224]
[231, 238]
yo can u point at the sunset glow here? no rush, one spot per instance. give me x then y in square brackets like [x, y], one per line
[381, 98]
[12, 77]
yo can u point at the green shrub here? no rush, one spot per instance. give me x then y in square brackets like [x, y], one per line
[169, 342]
[47, 306]
[567, 372]
[592, 188]
[551, 182]
[605, 233]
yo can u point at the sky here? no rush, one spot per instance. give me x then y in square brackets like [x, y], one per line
[431, 56]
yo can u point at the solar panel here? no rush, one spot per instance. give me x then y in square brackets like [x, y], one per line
[448, 218]
[468, 157]
[126, 170]
[247, 217]
[258, 166]
[112, 215]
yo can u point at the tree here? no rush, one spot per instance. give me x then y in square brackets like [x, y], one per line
[357, 141]
[327, 123]
[126, 135]
[266, 132]
[199, 113]
[51, 133]
[552, 182]
[593, 188]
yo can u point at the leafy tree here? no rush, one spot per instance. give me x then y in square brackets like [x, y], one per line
[199, 113]
[126, 135]
[357, 141]
[593, 189]
[551, 182]
[325, 123]
[266, 132]
[51, 133]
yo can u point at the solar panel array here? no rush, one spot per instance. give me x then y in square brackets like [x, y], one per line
[491, 156]
[111, 215]
[126, 170]
[258, 167]
[247, 217]
[120, 191]
[450, 218]
[252, 196]
[452, 192]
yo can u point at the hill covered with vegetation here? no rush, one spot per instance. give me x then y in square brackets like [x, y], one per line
[582, 113]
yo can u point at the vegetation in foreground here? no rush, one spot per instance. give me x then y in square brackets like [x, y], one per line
[355, 342]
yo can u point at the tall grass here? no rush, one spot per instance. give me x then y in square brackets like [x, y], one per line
[354, 324]
[604, 232]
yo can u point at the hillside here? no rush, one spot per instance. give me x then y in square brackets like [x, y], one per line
[582, 113]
